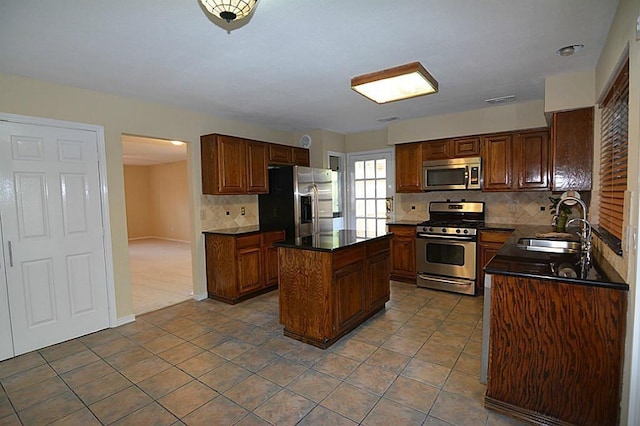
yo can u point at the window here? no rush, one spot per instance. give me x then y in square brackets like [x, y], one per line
[613, 157]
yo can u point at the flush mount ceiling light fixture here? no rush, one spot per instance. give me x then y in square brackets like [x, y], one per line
[393, 84]
[569, 50]
[229, 9]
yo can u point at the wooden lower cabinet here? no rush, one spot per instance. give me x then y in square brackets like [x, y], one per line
[556, 351]
[326, 294]
[241, 267]
[489, 242]
[403, 253]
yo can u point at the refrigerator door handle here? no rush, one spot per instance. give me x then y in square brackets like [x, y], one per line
[316, 210]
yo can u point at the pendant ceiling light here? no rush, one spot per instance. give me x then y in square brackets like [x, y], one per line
[394, 84]
[229, 9]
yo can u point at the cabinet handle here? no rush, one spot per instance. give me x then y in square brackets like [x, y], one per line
[10, 255]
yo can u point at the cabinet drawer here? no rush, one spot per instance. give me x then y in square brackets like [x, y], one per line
[272, 237]
[403, 231]
[248, 241]
[376, 247]
[495, 236]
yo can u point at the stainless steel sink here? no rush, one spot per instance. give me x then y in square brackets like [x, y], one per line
[549, 246]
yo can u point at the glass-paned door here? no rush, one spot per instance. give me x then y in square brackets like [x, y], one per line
[372, 186]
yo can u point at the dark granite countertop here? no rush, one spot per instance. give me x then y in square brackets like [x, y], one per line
[241, 230]
[330, 241]
[514, 261]
[405, 222]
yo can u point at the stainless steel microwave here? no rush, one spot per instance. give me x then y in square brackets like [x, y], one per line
[455, 173]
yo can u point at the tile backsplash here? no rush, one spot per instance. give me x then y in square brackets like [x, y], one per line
[501, 207]
[225, 211]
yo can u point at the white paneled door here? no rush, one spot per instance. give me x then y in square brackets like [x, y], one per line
[52, 235]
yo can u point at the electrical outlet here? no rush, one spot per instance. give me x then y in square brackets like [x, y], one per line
[227, 213]
[513, 208]
[542, 208]
[413, 207]
[242, 211]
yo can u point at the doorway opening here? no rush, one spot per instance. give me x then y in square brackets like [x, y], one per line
[156, 181]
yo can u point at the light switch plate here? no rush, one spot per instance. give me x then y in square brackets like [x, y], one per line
[638, 28]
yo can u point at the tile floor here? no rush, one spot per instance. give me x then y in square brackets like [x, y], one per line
[160, 273]
[209, 363]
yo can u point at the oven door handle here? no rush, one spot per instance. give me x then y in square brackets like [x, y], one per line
[444, 280]
[444, 237]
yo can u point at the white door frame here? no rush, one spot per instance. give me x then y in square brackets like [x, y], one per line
[104, 193]
[349, 194]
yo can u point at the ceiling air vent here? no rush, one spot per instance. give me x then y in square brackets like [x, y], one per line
[501, 100]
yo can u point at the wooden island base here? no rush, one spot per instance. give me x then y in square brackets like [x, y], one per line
[324, 294]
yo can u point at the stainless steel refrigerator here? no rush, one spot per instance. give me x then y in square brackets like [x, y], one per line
[299, 201]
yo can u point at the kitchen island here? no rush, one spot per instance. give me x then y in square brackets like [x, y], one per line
[330, 283]
[556, 339]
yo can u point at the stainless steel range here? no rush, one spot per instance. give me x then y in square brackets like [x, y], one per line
[446, 246]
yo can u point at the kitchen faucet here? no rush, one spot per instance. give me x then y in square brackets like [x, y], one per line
[585, 234]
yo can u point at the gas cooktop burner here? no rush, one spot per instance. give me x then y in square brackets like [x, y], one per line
[452, 223]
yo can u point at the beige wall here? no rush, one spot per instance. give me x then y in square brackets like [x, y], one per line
[570, 91]
[169, 197]
[367, 141]
[120, 115]
[136, 183]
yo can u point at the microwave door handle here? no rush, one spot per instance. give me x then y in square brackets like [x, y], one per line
[466, 177]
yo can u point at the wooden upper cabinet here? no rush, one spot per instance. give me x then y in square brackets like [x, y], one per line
[409, 167]
[436, 150]
[224, 162]
[301, 157]
[257, 172]
[572, 150]
[466, 147]
[531, 160]
[280, 154]
[498, 162]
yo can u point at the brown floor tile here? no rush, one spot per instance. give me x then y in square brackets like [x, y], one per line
[257, 336]
[191, 332]
[252, 392]
[39, 392]
[74, 361]
[389, 360]
[219, 411]
[119, 405]
[314, 385]
[426, 372]
[27, 378]
[469, 364]
[285, 408]
[336, 366]
[52, 409]
[127, 358]
[443, 339]
[6, 408]
[372, 336]
[144, 369]
[371, 378]
[10, 420]
[307, 355]
[62, 350]
[100, 337]
[402, 345]
[211, 339]
[413, 394]
[473, 348]
[180, 353]
[201, 364]
[101, 388]
[354, 349]
[281, 345]
[282, 371]
[255, 359]
[148, 335]
[416, 333]
[231, 349]
[162, 343]
[466, 385]
[350, 401]
[441, 355]
[86, 374]
[115, 346]
[82, 417]
[387, 412]
[13, 366]
[252, 420]
[152, 414]
[134, 327]
[458, 410]
[188, 398]
[164, 382]
[323, 416]
[225, 377]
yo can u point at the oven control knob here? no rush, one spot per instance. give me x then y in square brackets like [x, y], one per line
[466, 231]
[430, 229]
[444, 230]
[458, 231]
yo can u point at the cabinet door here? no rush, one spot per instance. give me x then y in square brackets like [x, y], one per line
[489, 244]
[409, 167]
[572, 141]
[249, 269]
[270, 256]
[403, 253]
[301, 157]
[466, 147]
[348, 295]
[257, 172]
[231, 165]
[437, 150]
[531, 159]
[378, 277]
[498, 163]
[280, 154]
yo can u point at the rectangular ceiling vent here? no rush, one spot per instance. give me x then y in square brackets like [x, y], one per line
[387, 119]
[501, 100]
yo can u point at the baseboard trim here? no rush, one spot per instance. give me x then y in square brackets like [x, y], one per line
[151, 237]
[125, 320]
[199, 297]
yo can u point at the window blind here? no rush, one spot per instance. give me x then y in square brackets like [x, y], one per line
[613, 153]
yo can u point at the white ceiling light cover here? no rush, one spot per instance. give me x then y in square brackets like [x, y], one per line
[222, 8]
